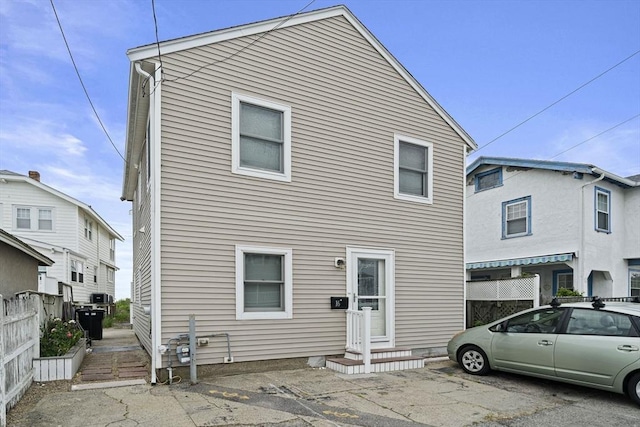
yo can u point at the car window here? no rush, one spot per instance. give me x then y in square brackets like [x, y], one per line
[597, 322]
[545, 321]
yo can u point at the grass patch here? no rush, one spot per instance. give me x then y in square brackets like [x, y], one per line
[121, 314]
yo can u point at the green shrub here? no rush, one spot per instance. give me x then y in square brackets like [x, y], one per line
[122, 311]
[564, 292]
[58, 337]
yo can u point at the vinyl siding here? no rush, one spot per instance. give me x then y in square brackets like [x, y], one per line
[347, 102]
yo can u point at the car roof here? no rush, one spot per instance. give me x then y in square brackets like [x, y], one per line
[632, 308]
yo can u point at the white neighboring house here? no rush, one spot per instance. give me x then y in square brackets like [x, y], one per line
[574, 224]
[69, 232]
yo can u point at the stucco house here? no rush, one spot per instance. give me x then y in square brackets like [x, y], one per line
[573, 224]
[19, 264]
[68, 231]
[277, 164]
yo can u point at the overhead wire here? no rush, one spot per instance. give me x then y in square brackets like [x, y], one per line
[84, 88]
[557, 101]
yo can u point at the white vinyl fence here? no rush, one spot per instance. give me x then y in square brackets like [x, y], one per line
[19, 344]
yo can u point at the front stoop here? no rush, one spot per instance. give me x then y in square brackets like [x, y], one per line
[382, 360]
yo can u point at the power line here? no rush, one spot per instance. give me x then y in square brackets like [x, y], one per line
[186, 76]
[82, 83]
[580, 143]
[155, 23]
[595, 136]
[554, 103]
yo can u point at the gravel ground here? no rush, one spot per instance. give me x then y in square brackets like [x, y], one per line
[33, 395]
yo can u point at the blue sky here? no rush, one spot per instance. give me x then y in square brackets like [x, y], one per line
[491, 64]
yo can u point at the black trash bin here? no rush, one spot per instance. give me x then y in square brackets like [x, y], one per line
[91, 321]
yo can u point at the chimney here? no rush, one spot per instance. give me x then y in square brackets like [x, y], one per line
[34, 175]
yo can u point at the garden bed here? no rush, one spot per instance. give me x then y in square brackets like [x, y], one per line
[60, 367]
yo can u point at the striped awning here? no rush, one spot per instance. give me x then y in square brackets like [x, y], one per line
[545, 259]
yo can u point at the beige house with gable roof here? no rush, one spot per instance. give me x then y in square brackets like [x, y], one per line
[266, 178]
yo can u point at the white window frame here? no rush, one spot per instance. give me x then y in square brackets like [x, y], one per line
[111, 274]
[607, 193]
[112, 249]
[34, 218]
[88, 228]
[285, 175]
[78, 266]
[287, 313]
[397, 139]
[505, 205]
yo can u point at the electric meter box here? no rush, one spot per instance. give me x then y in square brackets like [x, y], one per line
[182, 351]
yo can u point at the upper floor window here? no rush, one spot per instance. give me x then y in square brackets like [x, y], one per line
[88, 228]
[261, 138]
[112, 249]
[264, 286]
[111, 273]
[413, 169]
[33, 218]
[603, 210]
[488, 179]
[516, 217]
[77, 271]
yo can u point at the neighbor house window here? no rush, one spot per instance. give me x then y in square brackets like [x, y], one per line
[489, 179]
[562, 279]
[77, 271]
[95, 274]
[413, 169]
[33, 218]
[516, 217]
[112, 249]
[23, 218]
[111, 273]
[263, 283]
[634, 282]
[261, 138]
[603, 210]
[88, 228]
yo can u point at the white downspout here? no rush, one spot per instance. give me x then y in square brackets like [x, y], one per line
[582, 245]
[156, 280]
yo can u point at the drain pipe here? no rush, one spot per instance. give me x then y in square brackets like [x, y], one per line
[583, 212]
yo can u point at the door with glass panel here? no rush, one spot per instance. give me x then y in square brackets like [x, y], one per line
[370, 283]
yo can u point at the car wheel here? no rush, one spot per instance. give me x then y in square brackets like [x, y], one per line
[633, 388]
[473, 360]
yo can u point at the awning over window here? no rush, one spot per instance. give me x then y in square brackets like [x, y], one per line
[546, 259]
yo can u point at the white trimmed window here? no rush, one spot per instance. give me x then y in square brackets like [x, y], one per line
[112, 249]
[603, 209]
[261, 138]
[88, 228]
[77, 271]
[516, 217]
[33, 218]
[110, 274]
[264, 285]
[413, 169]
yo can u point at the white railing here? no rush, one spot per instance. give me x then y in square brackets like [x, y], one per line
[521, 288]
[359, 335]
[19, 344]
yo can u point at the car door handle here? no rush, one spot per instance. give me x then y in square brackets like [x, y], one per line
[628, 348]
[545, 342]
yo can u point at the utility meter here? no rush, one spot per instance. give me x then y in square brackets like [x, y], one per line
[182, 351]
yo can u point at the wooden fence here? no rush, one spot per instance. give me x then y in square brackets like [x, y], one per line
[19, 344]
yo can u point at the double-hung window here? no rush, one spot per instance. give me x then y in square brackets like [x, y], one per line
[516, 217]
[111, 273]
[261, 138]
[634, 282]
[88, 228]
[23, 218]
[413, 169]
[112, 249]
[77, 271]
[603, 210]
[263, 283]
[33, 218]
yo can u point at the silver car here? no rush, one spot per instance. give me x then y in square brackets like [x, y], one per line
[589, 344]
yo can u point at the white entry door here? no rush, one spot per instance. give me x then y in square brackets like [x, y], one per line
[370, 283]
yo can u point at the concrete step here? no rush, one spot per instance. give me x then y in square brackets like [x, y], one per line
[380, 353]
[350, 366]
